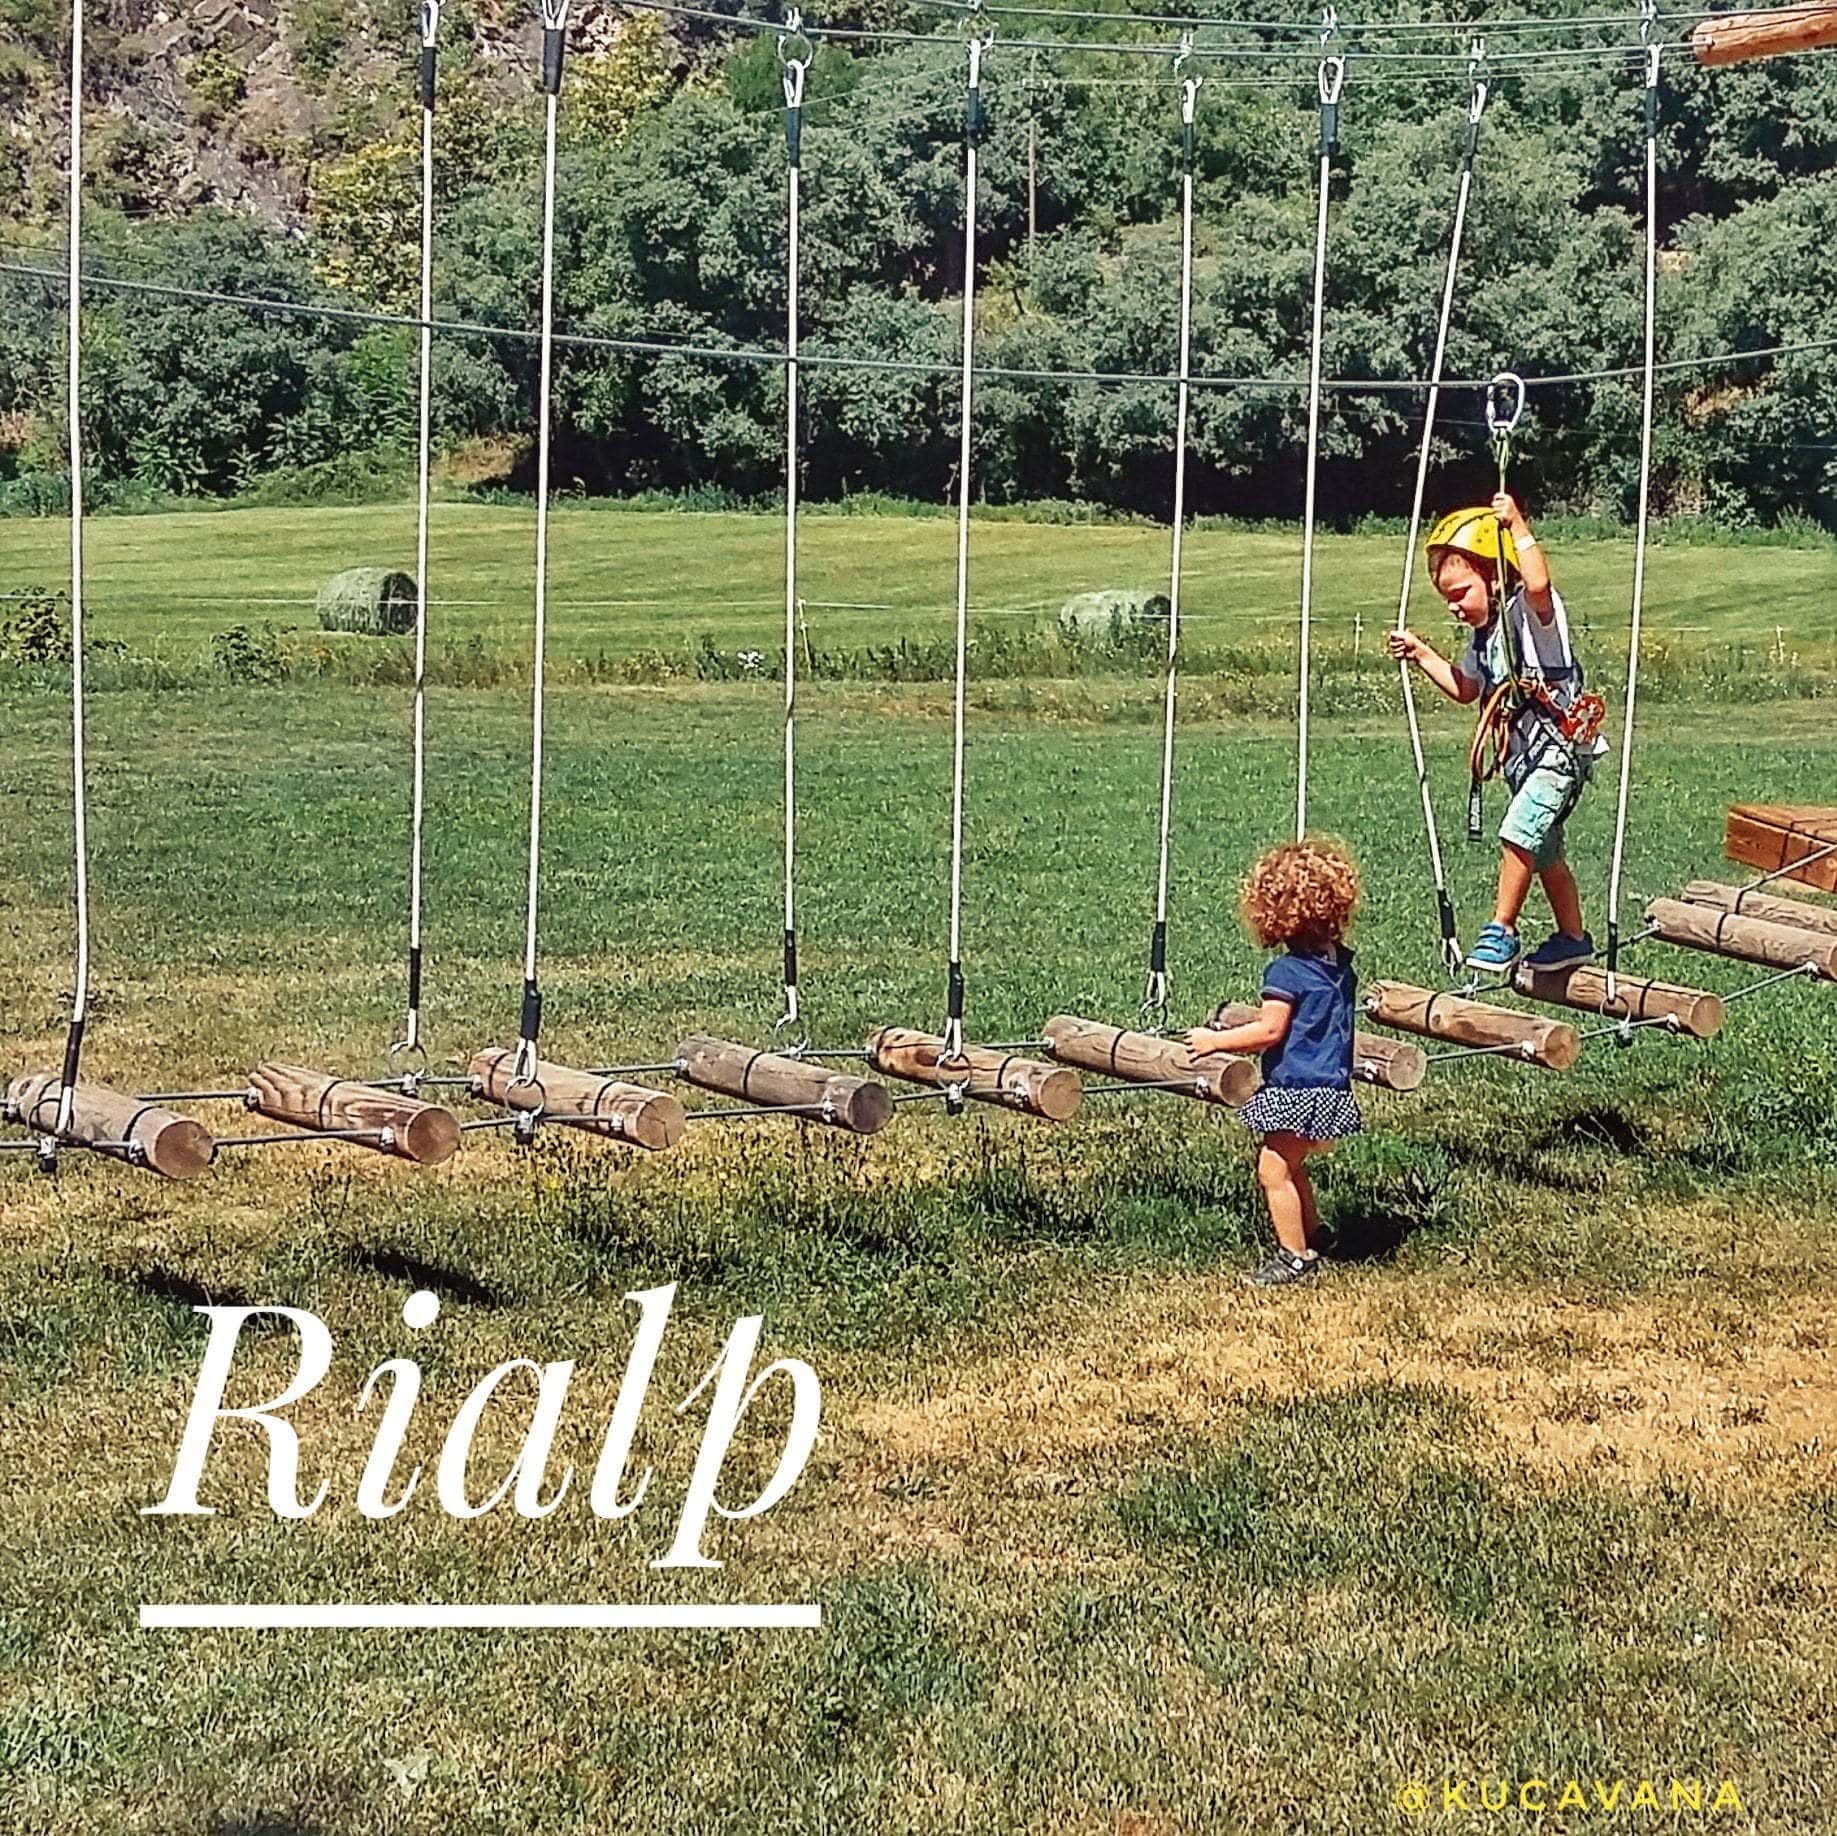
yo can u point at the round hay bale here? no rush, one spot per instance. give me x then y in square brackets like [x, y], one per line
[1112, 616]
[371, 601]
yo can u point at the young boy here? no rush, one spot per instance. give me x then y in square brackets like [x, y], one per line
[1544, 768]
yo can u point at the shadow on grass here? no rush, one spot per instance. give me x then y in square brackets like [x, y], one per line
[393, 1264]
[182, 1294]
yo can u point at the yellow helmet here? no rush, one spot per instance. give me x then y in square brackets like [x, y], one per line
[1476, 532]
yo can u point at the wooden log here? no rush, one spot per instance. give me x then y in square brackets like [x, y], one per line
[771, 1080]
[171, 1145]
[1735, 38]
[1584, 987]
[1553, 1044]
[1749, 940]
[417, 1131]
[1796, 840]
[1796, 912]
[601, 1105]
[1391, 1064]
[1026, 1084]
[1141, 1058]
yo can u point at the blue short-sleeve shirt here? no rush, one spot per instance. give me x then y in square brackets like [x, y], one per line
[1323, 991]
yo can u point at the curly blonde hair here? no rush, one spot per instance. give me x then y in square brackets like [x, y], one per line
[1301, 893]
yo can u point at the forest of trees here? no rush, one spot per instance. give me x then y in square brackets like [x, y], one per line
[304, 186]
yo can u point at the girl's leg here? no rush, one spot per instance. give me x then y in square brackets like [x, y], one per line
[1515, 873]
[1311, 1225]
[1279, 1174]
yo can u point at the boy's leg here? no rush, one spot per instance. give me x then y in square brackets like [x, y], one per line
[1516, 869]
[1279, 1174]
[1565, 898]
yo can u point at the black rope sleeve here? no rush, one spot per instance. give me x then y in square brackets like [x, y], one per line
[554, 50]
[1186, 149]
[1329, 129]
[531, 1025]
[794, 136]
[954, 992]
[1157, 948]
[427, 78]
[975, 121]
[414, 976]
[1613, 945]
[73, 1053]
[1444, 911]
[790, 959]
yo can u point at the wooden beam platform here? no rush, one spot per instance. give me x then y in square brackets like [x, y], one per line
[1584, 987]
[174, 1146]
[1748, 940]
[1737, 38]
[1796, 912]
[1773, 837]
[1142, 1058]
[630, 1113]
[405, 1127]
[1390, 1064]
[1026, 1084]
[1504, 1031]
[772, 1081]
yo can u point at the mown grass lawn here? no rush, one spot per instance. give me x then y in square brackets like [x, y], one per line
[624, 580]
[1538, 1482]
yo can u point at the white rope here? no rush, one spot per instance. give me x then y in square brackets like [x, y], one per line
[794, 72]
[1451, 950]
[953, 1025]
[1639, 540]
[1154, 1001]
[1332, 82]
[554, 20]
[411, 1035]
[79, 797]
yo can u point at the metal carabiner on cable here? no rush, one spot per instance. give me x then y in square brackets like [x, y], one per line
[1505, 397]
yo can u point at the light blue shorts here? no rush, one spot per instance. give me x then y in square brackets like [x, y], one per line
[1540, 807]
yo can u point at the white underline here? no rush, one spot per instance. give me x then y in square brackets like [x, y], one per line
[282, 1615]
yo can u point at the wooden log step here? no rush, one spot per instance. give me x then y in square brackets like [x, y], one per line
[1796, 912]
[601, 1105]
[1584, 986]
[1775, 836]
[405, 1127]
[1506, 1032]
[771, 1080]
[1749, 940]
[171, 1145]
[1391, 1064]
[1026, 1084]
[1141, 1058]
[1734, 38]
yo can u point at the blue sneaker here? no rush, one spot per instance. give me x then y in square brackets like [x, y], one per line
[1496, 948]
[1559, 951]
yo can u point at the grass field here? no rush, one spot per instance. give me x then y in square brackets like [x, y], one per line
[1538, 1481]
[622, 581]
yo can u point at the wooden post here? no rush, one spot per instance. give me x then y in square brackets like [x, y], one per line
[1735, 38]
[1143, 1059]
[164, 1143]
[601, 1105]
[1391, 1064]
[1804, 917]
[771, 1080]
[1504, 1031]
[1749, 940]
[417, 1131]
[1583, 986]
[1025, 1084]
[1797, 841]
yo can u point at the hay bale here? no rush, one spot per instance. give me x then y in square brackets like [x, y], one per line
[1112, 616]
[371, 601]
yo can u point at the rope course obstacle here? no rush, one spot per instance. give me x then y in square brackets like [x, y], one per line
[787, 1077]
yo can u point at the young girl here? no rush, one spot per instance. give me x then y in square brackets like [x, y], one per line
[1548, 748]
[1301, 896]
